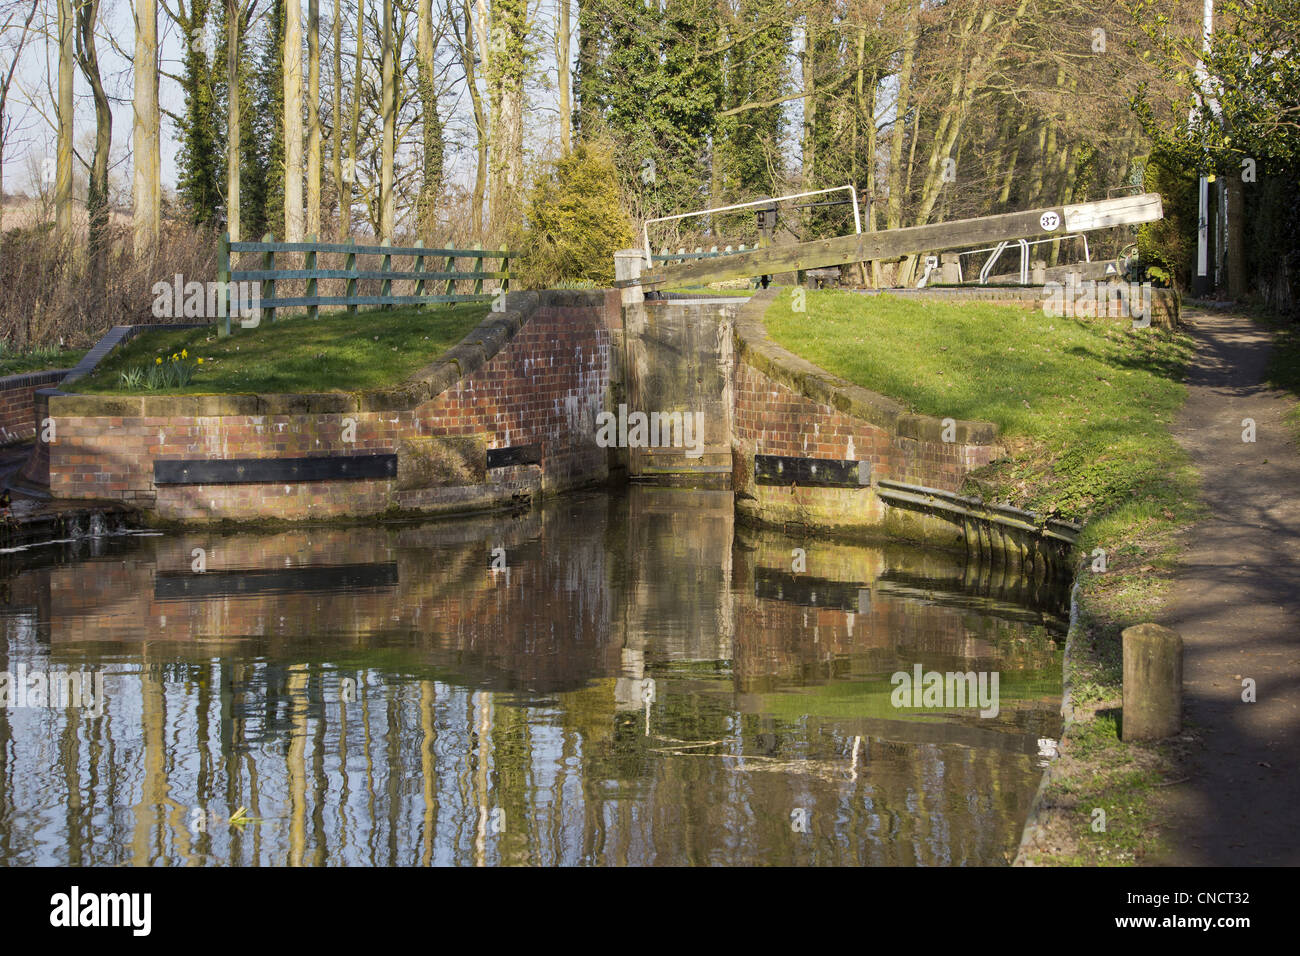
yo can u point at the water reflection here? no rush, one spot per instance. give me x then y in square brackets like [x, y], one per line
[641, 682]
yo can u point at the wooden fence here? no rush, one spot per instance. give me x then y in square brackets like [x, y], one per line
[443, 283]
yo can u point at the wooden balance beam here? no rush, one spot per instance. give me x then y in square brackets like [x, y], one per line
[912, 240]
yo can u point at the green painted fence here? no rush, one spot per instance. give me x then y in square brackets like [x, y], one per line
[443, 284]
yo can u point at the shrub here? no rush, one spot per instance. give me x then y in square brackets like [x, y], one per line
[575, 221]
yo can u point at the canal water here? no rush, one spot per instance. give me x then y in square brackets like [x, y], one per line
[606, 679]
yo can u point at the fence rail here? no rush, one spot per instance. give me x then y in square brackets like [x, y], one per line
[441, 283]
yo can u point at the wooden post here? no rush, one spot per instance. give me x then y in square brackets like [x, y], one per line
[505, 268]
[627, 265]
[1153, 682]
[351, 266]
[478, 267]
[451, 283]
[268, 285]
[419, 267]
[223, 277]
[313, 310]
[386, 286]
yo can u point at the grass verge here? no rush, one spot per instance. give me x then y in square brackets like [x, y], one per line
[337, 352]
[37, 360]
[1084, 407]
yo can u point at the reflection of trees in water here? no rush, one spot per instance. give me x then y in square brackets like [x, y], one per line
[475, 694]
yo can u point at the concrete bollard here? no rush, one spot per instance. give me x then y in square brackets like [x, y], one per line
[1038, 272]
[628, 264]
[1153, 682]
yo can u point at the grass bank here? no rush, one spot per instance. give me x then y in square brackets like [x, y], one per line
[337, 352]
[1085, 408]
[37, 360]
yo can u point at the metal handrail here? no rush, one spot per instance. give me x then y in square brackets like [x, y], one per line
[645, 229]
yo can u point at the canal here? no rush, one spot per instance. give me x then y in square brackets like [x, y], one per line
[605, 679]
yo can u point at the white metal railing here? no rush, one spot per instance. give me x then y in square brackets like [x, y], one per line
[1024, 254]
[645, 230]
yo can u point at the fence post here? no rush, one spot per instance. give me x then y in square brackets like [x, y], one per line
[313, 310]
[386, 287]
[478, 267]
[268, 285]
[505, 268]
[223, 277]
[451, 283]
[419, 267]
[351, 266]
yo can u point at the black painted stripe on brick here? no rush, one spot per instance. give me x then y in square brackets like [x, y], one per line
[240, 471]
[825, 472]
[514, 455]
[178, 585]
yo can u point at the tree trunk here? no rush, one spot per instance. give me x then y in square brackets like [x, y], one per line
[336, 131]
[808, 158]
[894, 212]
[472, 31]
[97, 191]
[64, 156]
[505, 71]
[233, 119]
[562, 62]
[389, 110]
[313, 119]
[145, 138]
[293, 213]
[345, 227]
[431, 186]
[1237, 286]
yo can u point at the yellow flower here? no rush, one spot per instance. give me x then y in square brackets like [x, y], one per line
[175, 356]
[200, 361]
[157, 361]
[185, 353]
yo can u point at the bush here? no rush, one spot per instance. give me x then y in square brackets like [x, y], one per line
[575, 221]
[49, 294]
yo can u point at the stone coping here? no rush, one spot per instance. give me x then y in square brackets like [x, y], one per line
[756, 348]
[28, 379]
[474, 351]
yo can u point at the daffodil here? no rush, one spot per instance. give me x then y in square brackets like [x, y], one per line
[200, 361]
[157, 361]
[184, 353]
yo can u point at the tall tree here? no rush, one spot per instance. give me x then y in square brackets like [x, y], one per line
[562, 69]
[18, 36]
[505, 82]
[313, 119]
[388, 108]
[146, 145]
[336, 131]
[292, 64]
[431, 185]
[66, 119]
[198, 163]
[97, 190]
[355, 122]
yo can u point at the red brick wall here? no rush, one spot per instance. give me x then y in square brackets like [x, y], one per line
[544, 386]
[773, 419]
[17, 403]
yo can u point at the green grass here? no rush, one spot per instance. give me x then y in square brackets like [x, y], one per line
[1284, 365]
[1083, 405]
[38, 360]
[336, 352]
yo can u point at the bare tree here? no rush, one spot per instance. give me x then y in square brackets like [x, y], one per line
[13, 15]
[313, 119]
[293, 214]
[146, 131]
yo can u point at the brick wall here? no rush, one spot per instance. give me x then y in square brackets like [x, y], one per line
[17, 403]
[787, 406]
[542, 385]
